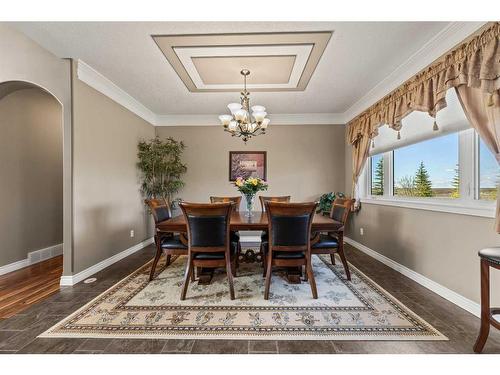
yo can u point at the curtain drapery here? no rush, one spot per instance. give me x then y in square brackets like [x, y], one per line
[483, 112]
[473, 64]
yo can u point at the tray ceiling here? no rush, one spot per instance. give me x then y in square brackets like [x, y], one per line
[212, 62]
[362, 61]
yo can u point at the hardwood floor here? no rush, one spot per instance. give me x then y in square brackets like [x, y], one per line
[22, 288]
[18, 333]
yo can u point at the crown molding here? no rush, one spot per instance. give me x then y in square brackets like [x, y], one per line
[102, 84]
[442, 42]
[276, 119]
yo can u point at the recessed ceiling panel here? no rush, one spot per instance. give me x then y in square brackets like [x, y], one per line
[220, 70]
[212, 62]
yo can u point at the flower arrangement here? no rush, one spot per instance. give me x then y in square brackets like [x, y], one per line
[249, 187]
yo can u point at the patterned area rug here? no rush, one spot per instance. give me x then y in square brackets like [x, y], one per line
[356, 310]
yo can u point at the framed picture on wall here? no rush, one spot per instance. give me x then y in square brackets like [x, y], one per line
[247, 164]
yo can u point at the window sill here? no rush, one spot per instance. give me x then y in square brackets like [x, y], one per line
[477, 208]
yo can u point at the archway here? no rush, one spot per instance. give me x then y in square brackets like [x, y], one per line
[31, 175]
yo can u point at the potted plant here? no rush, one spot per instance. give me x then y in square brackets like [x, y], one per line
[249, 188]
[161, 168]
[326, 201]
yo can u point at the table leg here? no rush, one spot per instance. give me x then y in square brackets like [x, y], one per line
[294, 275]
[204, 275]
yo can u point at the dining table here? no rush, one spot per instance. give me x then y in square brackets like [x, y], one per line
[241, 221]
[257, 221]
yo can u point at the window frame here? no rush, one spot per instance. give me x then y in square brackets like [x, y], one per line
[467, 204]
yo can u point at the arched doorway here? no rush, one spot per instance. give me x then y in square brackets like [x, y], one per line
[31, 194]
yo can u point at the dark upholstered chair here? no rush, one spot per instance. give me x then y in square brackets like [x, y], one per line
[209, 244]
[289, 245]
[235, 236]
[264, 235]
[166, 242]
[333, 242]
[490, 257]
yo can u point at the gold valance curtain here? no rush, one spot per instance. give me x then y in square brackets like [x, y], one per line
[473, 64]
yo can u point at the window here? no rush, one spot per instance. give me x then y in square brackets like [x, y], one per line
[454, 173]
[428, 168]
[377, 175]
[488, 173]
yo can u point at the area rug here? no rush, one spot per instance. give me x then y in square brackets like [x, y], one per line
[345, 310]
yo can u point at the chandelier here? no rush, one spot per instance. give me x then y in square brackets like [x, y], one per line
[240, 123]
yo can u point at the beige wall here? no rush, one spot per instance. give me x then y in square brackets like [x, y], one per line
[30, 173]
[24, 60]
[303, 161]
[440, 246]
[107, 200]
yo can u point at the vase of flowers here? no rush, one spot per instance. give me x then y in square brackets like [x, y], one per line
[249, 187]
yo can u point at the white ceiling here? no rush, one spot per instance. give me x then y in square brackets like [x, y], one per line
[359, 56]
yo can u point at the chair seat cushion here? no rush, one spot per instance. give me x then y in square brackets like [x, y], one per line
[326, 242]
[215, 256]
[284, 254]
[491, 254]
[173, 242]
[288, 255]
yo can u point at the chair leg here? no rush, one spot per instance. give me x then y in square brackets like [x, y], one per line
[189, 270]
[234, 266]
[169, 259]
[264, 260]
[264, 265]
[230, 277]
[155, 262]
[485, 307]
[306, 277]
[312, 282]
[332, 257]
[268, 275]
[344, 261]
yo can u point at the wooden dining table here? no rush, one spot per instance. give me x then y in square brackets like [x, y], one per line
[258, 221]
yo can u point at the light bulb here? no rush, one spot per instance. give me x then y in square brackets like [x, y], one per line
[233, 107]
[259, 116]
[240, 115]
[225, 119]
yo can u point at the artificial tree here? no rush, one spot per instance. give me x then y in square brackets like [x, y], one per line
[161, 167]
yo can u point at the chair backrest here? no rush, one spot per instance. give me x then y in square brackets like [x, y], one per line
[159, 209]
[207, 225]
[289, 225]
[281, 198]
[341, 208]
[235, 200]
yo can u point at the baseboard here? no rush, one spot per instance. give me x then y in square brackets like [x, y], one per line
[14, 266]
[33, 258]
[74, 279]
[459, 300]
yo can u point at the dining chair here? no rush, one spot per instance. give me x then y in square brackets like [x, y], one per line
[264, 235]
[166, 242]
[333, 242]
[235, 200]
[209, 244]
[280, 198]
[289, 245]
[235, 236]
